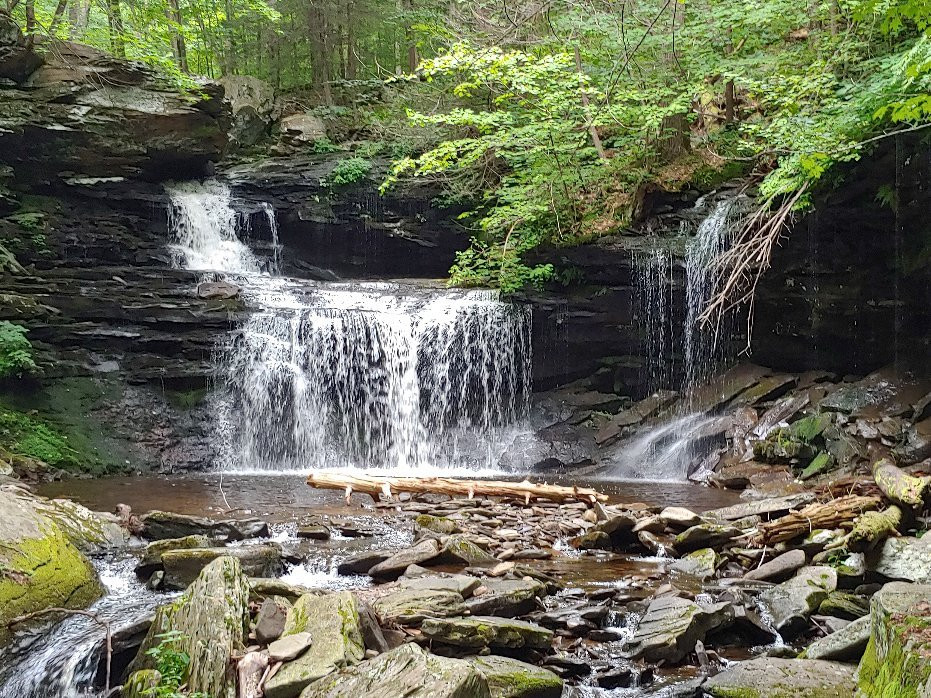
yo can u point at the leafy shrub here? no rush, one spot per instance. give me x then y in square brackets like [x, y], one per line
[349, 171]
[16, 354]
[172, 664]
[324, 145]
[496, 266]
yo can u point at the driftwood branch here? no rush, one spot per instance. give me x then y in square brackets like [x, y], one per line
[900, 487]
[74, 612]
[871, 528]
[375, 485]
[839, 512]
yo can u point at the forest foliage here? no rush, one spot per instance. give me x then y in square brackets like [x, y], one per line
[550, 120]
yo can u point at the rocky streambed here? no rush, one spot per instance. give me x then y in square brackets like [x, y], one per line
[433, 596]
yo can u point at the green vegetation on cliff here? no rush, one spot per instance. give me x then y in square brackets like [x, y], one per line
[16, 354]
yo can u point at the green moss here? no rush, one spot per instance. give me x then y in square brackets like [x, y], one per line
[38, 573]
[187, 399]
[25, 435]
[905, 670]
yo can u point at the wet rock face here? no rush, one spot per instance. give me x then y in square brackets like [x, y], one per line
[671, 627]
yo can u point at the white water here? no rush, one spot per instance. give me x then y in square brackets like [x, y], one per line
[666, 451]
[364, 375]
[61, 659]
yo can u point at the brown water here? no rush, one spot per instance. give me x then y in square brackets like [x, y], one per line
[282, 498]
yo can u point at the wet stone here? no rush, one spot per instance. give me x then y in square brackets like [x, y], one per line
[507, 598]
[487, 631]
[362, 562]
[314, 532]
[183, 566]
[394, 566]
[158, 525]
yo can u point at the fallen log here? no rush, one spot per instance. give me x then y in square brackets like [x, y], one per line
[871, 528]
[375, 485]
[837, 513]
[899, 486]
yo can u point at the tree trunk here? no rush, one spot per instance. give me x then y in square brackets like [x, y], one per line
[412, 58]
[376, 485]
[596, 139]
[78, 16]
[56, 18]
[178, 46]
[674, 129]
[351, 57]
[115, 18]
[30, 17]
[827, 515]
[730, 102]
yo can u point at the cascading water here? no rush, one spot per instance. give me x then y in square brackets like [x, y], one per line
[370, 375]
[666, 451]
[63, 659]
[703, 345]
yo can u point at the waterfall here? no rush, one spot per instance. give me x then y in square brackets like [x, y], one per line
[653, 271]
[704, 350]
[369, 375]
[378, 376]
[665, 451]
[203, 223]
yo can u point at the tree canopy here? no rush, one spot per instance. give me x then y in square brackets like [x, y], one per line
[551, 119]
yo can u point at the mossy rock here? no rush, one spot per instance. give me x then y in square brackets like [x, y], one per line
[511, 678]
[405, 672]
[437, 524]
[212, 620]
[140, 684]
[333, 624]
[487, 631]
[151, 559]
[770, 677]
[897, 660]
[40, 566]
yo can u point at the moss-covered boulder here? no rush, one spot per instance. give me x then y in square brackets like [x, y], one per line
[512, 678]
[183, 565]
[405, 672]
[40, 566]
[897, 660]
[336, 642]
[411, 606]
[151, 558]
[211, 620]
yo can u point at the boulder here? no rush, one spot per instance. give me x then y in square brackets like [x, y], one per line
[151, 558]
[680, 517]
[487, 631]
[779, 568]
[557, 446]
[302, 128]
[701, 563]
[394, 566]
[844, 604]
[507, 598]
[439, 525]
[17, 60]
[41, 566]
[672, 625]
[333, 623]
[896, 659]
[770, 677]
[792, 602]
[512, 678]
[362, 562]
[905, 558]
[845, 645]
[270, 620]
[183, 566]
[405, 672]
[458, 549]
[211, 621]
[411, 606]
[93, 532]
[158, 525]
[705, 535]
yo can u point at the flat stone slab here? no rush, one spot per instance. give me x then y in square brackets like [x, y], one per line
[779, 568]
[512, 678]
[904, 558]
[487, 631]
[462, 584]
[158, 525]
[405, 672]
[763, 507]
[846, 645]
[411, 606]
[290, 647]
[769, 677]
[506, 597]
